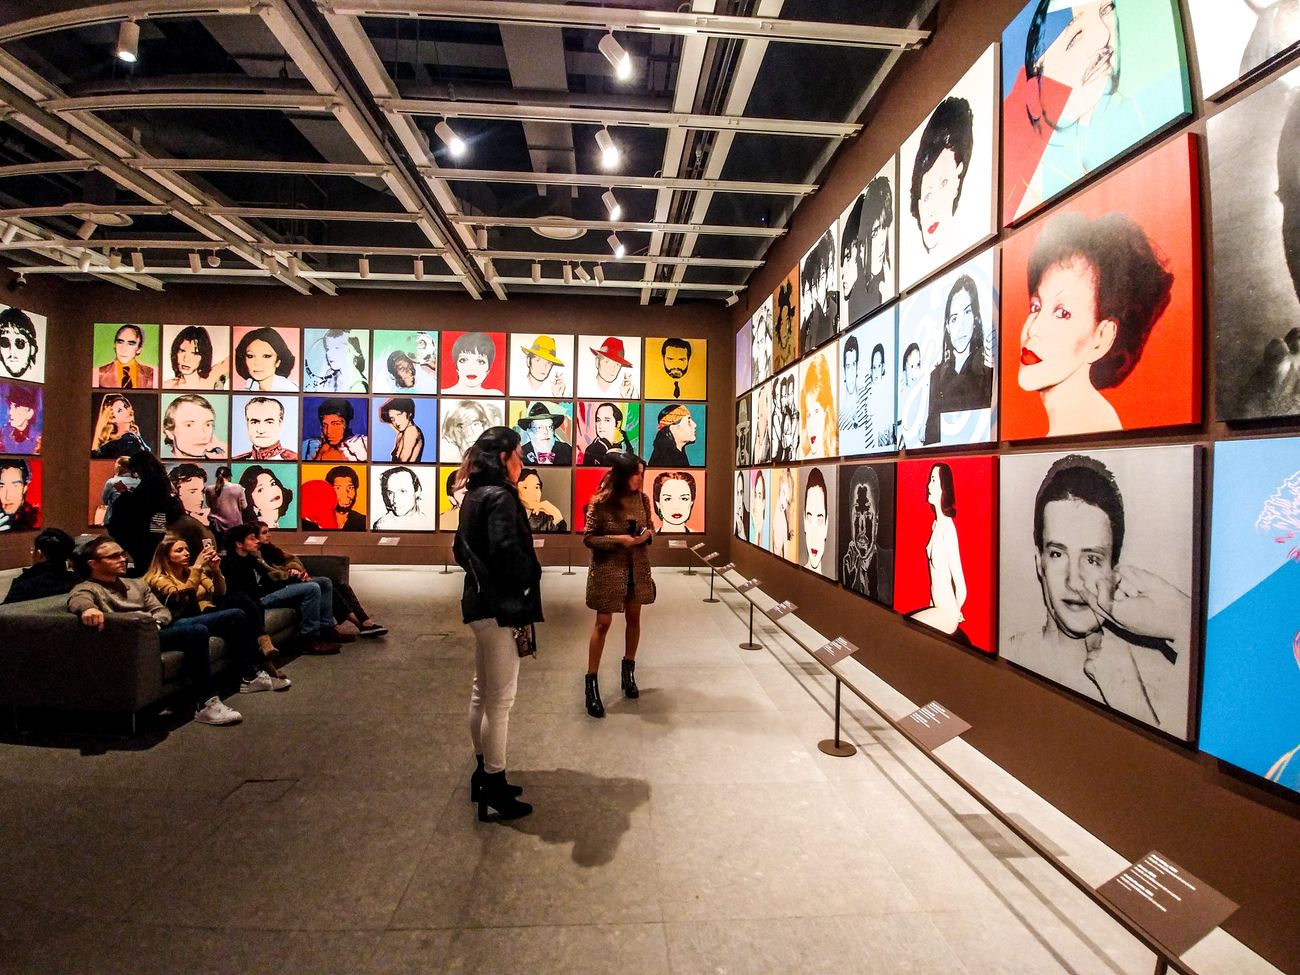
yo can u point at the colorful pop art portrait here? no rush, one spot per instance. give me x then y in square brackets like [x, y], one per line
[546, 429]
[1238, 39]
[263, 427]
[473, 363]
[676, 368]
[461, 422]
[818, 512]
[819, 291]
[451, 494]
[336, 428]
[267, 360]
[22, 417]
[761, 342]
[190, 481]
[785, 323]
[405, 498]
[195, 426]
[1107, 539]
[404, 429]
[676, 501]
[404, 363]
[1085, 81]
[125, 356]
[867, 364]
[947, 176]
[547, 497]
[744, 357]
[585, 484]
[333, 498]
[604, 427]
[866, 530]
[272, 492]
[541, 365]
[122, 423]
[818, 405]
[20, 494]
[22, 345]
[609, 366]
[944, 561]
[1101, 308]
[1251, 679]
[784, 517]
[196, 357]
[336, 360]
[759, 510]
[675, 435]
[868, 247]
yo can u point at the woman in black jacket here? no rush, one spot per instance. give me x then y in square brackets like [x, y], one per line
[501, 603]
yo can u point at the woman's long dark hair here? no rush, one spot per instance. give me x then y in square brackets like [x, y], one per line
[483, 464]
[154, 482]
[614, 485]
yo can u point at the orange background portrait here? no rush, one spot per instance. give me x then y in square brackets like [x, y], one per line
[785, 325]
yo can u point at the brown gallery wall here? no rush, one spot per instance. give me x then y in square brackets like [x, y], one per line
[73, 310]
[1133, 788]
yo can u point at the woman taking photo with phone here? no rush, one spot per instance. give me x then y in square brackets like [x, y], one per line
[619, 581]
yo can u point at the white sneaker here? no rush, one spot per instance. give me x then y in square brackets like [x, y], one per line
[214, 712]
[280, 683]
[261, 682]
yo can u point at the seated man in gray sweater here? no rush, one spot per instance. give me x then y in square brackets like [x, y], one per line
[107, 591]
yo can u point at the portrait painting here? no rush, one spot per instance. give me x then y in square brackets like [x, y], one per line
[676, 501]
[867, 359]
[195, 426]
[947, 358]
[609, 366]
[333, 498]
[20, 494]
[786, 429]
[675, 435]
[22, 417]
[785, 322]
[196, 356]
[104, 485]
[586, 483]
[1238, 39]
[1254, 148]
[190, 481]
[1251, 679]
[1097, 581]
[473, 364]
[404, 429]
[866, 530]
[451, 493]
[868, 245]
[267, 359]
[784, 517]
[541, 366]
[745, 357]
[763, 418]
[762, 342]
[819, 292]
[818, 510]
[546, 429]
[336, 428]
[263, 427]
[744, 432]
[759, 513]
[818, 410]
[944, 551]
[676, 368]
[122, 424]
[461, 422]
[1102, 306]
[547, 497]
[22, 345]
[605, 427]
[271, 488]
[125, 356]
[1084, 82]
[404, 498]
[336, 360]
[740, 505]
[948, 176]
[404, 363]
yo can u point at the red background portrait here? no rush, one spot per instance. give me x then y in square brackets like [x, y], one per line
[494, 384]
[588, 481]
[975, 487]
[1160, 193]
[33, 495]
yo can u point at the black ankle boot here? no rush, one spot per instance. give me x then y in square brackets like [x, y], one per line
[629, 679]
[495, 794]
[594, 707]
[476, 782]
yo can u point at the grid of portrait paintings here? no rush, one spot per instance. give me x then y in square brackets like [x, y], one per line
[903, 332]
[22, 417]
[365, 429]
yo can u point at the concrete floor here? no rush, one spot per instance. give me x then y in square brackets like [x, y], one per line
[698, 829]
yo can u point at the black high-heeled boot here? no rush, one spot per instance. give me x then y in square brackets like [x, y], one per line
[496, 795]
[629, 679]
[476, 782]
[594, 707]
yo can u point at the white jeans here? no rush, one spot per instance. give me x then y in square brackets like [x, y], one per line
[496, 676]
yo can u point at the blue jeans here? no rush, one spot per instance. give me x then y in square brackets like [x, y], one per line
[314, 601]
[232, 625]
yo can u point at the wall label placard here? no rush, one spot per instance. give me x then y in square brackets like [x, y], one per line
[676, 543]
[315, 540]
[710, 557]
[389, 540]
[834, 651]
[934, 724]
[747, 585]
[727, 568]
[781, 609]
[1169, 902]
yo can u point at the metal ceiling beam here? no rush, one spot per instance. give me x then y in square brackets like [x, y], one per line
[191, 100]
[684, 24]
[627, 225]
[45, 168]
[369, 170]
[544, 256]
[109, 13]
[203, 246]
[297, 213]
[83, 210]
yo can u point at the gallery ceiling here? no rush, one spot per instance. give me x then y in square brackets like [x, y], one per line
[450, 144]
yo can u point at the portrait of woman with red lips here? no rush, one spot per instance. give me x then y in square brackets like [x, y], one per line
[817, 510]
[677, 500]
[473, 364]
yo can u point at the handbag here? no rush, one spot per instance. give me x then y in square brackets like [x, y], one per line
[526, 640]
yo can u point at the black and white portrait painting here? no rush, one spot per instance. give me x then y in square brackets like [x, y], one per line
[819, 292]
[762, 418]
[868, 235]
[868, 359]
[866, 528]
[744, 433]
[785, 416]
[1106, 541]
[22, 345]
[1237, 38]
[760, 342]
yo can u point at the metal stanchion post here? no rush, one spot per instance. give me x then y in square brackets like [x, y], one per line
[446, 567]
[569, 571]
[712, 598]
[833, 746]
[750, 644]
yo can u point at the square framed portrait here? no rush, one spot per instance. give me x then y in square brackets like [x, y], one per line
[404, 429]
[20, 494]
[190, 480]
[1239, 39]
[745, 357]
[462, 421]
[866, 530]
[267, 360]
[868, 413]
[761, 342]
[541, 365]
[104, 485]
[1083, 84]
[264, 427]
[605, 427]
[759, 511]
[336, 360]
[333, 498]
[405, 498]
[122, 423]
[547, 496]
[740, 505]
[404, 362]
[22, 417]
[451, 492]
[785, 321]
[786, 429]
[868, 245]
[473, 364]
[819, 291]
[609, 366]
[195, 426]
[586, 482]
[196, 357]
[22, 345]
[948, 176]
[125, 356]
[818, 511]
[675, 435]
[546, 429]
[763, 419]
[783, 519]
[676, 368]
[818, 410]
[946, 519]
[272, 491]
[1102, 301]
[948, 358]
[744, 432]
[676, 501]
[336, 428]
[1107, 540]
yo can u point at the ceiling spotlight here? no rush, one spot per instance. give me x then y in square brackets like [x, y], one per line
[11, 231]
[609, 155]
[363, 266]
[618, 58]
[616, 245]
[454, 143]
[83, 262]
[481, 237]
[294, 265]
[114, 260]
[417, 268]
[568, 274]
[600, 274]
[732, 299]
[195, 265]
[128, 41]
[612, 205]
[87, 229]
[214, 259]
[537, 272]
[583, 274]
[137, 261]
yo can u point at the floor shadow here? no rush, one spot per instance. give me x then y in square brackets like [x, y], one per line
[660, 706]
[591, 812]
